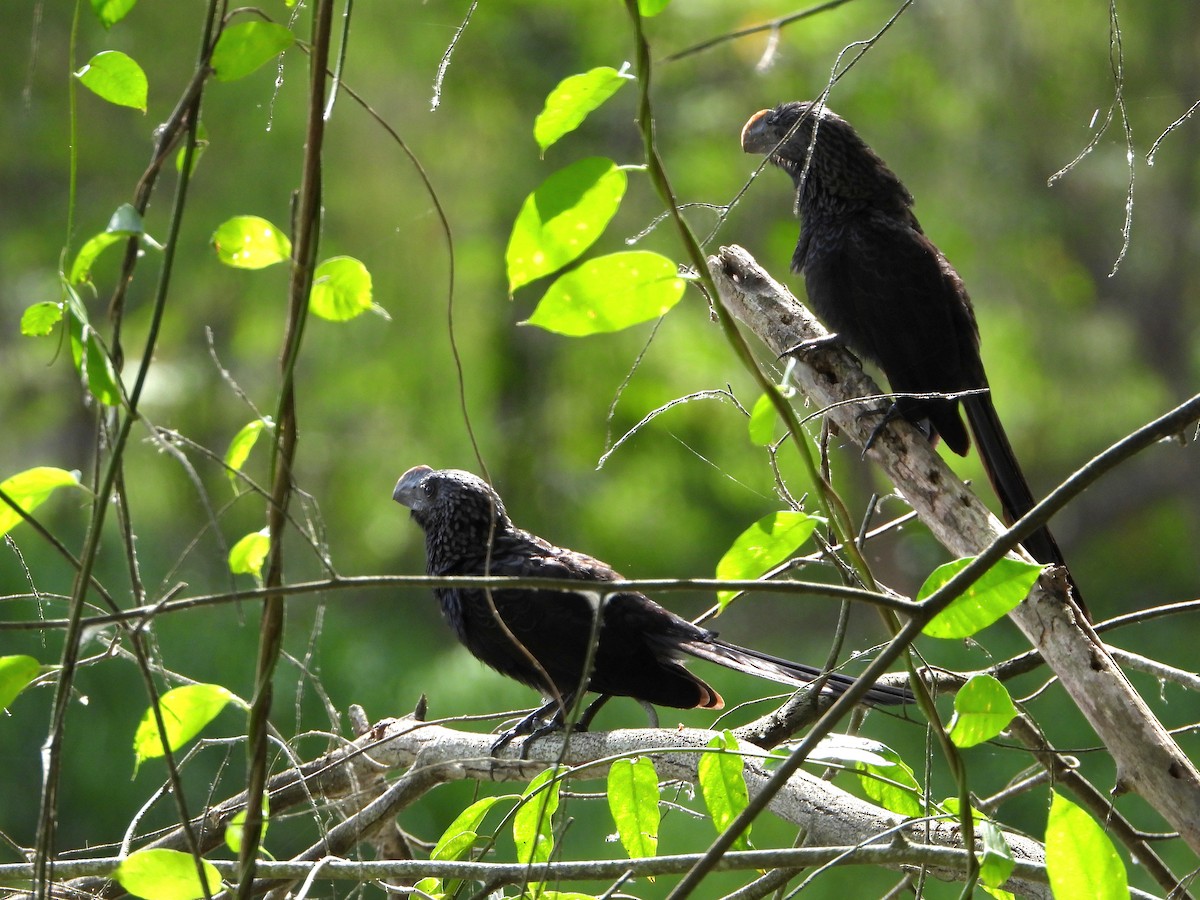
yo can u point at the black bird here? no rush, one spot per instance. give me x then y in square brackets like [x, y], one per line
[542, 638]
[889, 294]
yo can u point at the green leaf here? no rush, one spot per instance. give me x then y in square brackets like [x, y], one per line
[40, 318]
[466, 822]
[572, 100]
[15, 674]
[996, 863]
[649, 8]
[609, 293]
[762, 422]
[115, 77]
[244, 47]
[341, 289]
[633, 802]
[1001, 589]
[533, 830]
[93, 363]
[241, 445]
[982, 709]
[562, 218]
[764, 545]
[246, 557]
[166, 875]
[723, 785]
[124, 223]
[110, 12]
[250, 242]
[881, 772]
[1080, 859]
[235, 830]
[197, 152]
[185, 711]
[29, 490]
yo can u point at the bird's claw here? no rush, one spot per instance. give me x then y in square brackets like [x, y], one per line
[811, 344]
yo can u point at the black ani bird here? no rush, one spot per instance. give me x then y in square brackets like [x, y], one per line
[542, 638]
[887, 291]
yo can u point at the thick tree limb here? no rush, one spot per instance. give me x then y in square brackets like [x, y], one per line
[1149, 761]
[430, 754]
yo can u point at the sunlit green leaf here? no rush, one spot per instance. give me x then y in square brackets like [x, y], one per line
[29, 489]
[996, 863]
[250, 242]
[466, 822]
[633, 802]
[533, 827]
[246, 557]
[115, 77]
[1001, 589]
[241, 445]
[764, 545]
[93, 363]
[609, 293]
[1080, 858]
[982, 709]
[649, 8]
[763, 417]
[15, 674]
[562, 218]
[40, 318]
[572, 100]
[110, 12]
[158, 874]
[185, 711]
[236, 828]
[125, 222]
[723, 785]
[244, 47]
[341, 289]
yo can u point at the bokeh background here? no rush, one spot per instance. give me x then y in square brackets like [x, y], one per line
[975, 106]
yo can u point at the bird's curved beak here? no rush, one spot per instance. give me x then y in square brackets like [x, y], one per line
[757, 136]
[407, 492]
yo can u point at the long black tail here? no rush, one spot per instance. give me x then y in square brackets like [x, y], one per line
[1008, 481]
[772, 668]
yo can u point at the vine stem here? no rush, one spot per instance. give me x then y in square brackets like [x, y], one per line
[306, 228]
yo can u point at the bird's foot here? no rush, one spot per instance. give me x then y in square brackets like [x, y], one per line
[535, 725]
[886, 418]
[808, 346]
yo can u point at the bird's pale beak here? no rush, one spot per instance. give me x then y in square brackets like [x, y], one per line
[406, 492]
[757, 137]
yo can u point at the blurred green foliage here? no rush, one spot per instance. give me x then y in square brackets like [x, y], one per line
[973, 105]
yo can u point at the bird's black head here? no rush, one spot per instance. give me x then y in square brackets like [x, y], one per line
[830, 164]
[460, 513]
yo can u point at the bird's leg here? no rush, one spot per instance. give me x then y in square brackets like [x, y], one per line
[585, 720]
[897, 410]
[651, 713]
[536, 723]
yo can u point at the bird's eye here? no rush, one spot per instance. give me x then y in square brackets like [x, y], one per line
[427, 488]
